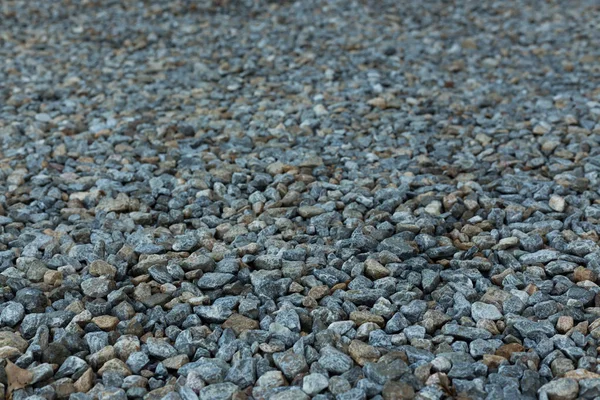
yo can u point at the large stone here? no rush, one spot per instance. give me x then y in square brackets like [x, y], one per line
[12, 339]
[560, 389]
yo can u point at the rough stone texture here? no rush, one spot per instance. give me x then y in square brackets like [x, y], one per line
[222, 199]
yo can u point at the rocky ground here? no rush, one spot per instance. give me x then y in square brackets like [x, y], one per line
[291, 200]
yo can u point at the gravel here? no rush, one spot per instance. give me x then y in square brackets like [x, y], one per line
[299, 199]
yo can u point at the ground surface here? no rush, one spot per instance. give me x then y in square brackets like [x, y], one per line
[329, 199]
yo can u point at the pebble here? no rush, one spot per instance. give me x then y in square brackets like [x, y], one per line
[389, 205]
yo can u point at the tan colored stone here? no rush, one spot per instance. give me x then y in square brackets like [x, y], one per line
[318, 292]
[275, 168]
[583, 274]
[309, 302]
[564, 323]
[488, 325]
[378, 102]
[397, 391]
[64, 388]
[433, 320]
[374, 270]
[360, 317]
[363, 353]
[8, 352]
[11, 339]
[99, 358]
[159, 393]
[310, 211]
[106, 322]
[115, 365]
[582, 327]
[497, 279]
[496, 296]
[423, 371]
[493, 361]
[240, 323]
[507, 349]
[296, 288]
[561, 366]
[102, 268]
[76, 307]
[176, 362]
[579, 374]
[53, 278]
[531, 289]
[85, 382]
[339, 286]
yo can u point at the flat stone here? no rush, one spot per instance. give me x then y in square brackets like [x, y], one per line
[176, 362]
[240, 323]
[465, 333]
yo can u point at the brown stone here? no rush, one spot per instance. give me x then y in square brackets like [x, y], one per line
[11, 339]
[489, 326]
[397, 391]
[102, 268]
[561, 366]
[433, 320]
[8, 352]
[115, 365]
[106, 322]
[158, 394]
[360, 317]
[493, 361]
[85, 382]
[64, 388]
[507, 349]
[374, 270]
[75, 307]
[495, 296]
[53, 278]
[239, 396]
[309, 302]
[240, 323]
[531, 289]
[583, 274]
[564, 323]
[582, 327]
[579, 374]
[176, 362]
[100, 357]
[318, 292]
[422, 372]
[497, 279]
[363, 353]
